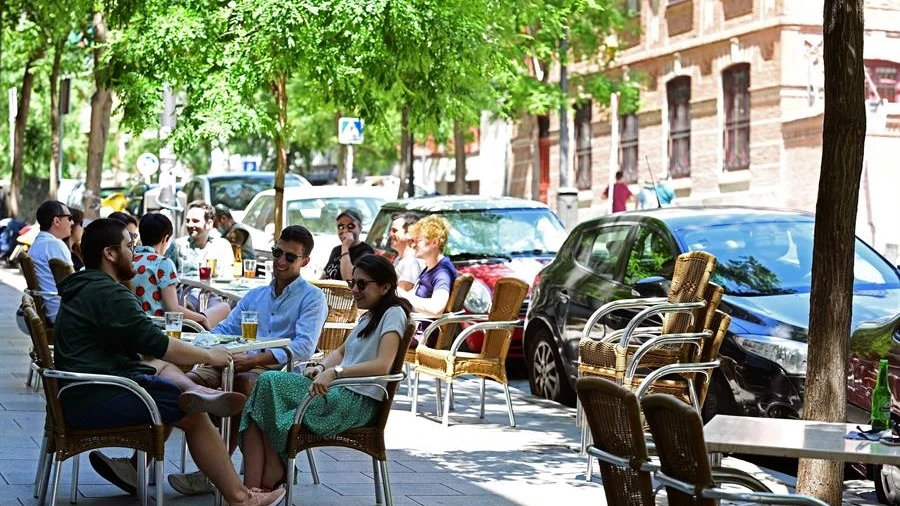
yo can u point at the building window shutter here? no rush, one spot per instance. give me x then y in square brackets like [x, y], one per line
[736, 88]
[583, 137]
[628, 147]
[678, 92]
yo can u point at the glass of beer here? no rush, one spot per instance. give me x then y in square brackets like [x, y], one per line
[173, 324]
[249, 325]
[212, 267]
[250, 268]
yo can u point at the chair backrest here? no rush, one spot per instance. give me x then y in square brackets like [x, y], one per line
[41, 343]
[60, 269]
[692, 273]
[710, 351]
[341, 309]
[678, 433]
[509, 294]
[458, 295]
[31, 281]
[614, 418]
[396, 367]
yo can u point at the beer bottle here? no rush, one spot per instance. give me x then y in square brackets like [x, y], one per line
[238, 268]
[881, 399]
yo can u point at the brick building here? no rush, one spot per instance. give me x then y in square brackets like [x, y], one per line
[731, 110]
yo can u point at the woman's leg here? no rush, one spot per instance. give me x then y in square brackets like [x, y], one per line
[254, 449]
[274, 472]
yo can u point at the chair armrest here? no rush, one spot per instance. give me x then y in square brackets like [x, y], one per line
[76, 379]
[662, 308]
[445, 319]
[661, 340]
[737, 477]
[758, 497]
[667, 370]
[41, 293]
[454, 348]
[300, 412]
[615, 305]
[194, 326]
[615, 335]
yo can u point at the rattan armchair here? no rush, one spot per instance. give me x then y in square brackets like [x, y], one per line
[342, 315]
[369, 440]
[63, 442]
[684, 464]
[60, 269]
[614, 418]
[490, 362]
[39, 296]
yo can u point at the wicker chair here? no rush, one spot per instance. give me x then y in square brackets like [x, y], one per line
[342, 315]
[60, 269]
[446, 325]
[66, 442]
[684, 464]
[33, 288]
[369, 440]
[490, 362]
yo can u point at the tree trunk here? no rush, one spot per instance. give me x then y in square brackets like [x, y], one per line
[459, 146]
[843, 143]
[101, 106]
[54, 120]
[18, 161]
[278, 87]
[405, 152]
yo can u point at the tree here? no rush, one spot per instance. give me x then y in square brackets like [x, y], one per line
[843, 143]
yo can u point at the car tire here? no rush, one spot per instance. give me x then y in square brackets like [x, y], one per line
[546, 375]
[887, 484]
[719, 399]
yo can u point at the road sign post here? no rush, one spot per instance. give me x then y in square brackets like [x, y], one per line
[350, 132]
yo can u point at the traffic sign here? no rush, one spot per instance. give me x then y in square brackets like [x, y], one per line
[147, 164]
[350, 130]
[250, 166]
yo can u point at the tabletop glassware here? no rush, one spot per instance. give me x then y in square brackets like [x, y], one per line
[174, 323]
[249, 325]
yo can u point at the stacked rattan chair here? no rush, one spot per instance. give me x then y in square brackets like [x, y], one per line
[60, 269]
[684, 464]
[369, 440]
[490, 362]
[342, 315]
[62, 442]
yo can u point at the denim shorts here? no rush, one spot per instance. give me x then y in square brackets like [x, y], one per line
[126, 408]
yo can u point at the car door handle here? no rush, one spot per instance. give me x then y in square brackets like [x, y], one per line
[564, 297]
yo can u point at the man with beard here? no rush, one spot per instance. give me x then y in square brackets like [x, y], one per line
[101, 328]
[190, 251]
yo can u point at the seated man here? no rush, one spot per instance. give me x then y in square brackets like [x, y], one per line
[407, 265]
[201, 243]
[156, 279]
[343, 256]
[432, 291]
[102, 329]
[236, 233]
[55, 222]
[289, 308]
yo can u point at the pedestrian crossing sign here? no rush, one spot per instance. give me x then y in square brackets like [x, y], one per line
[350, 130]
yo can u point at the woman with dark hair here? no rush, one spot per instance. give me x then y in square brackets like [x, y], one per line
[369, 350]
[74, 239]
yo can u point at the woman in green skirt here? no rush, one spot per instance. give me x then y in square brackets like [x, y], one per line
[369, 350]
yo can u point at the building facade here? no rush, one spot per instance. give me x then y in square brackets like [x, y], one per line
[731, 112]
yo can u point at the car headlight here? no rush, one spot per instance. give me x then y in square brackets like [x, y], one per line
[479, 299]
[790, 355]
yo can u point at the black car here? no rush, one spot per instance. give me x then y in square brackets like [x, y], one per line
[764, 263]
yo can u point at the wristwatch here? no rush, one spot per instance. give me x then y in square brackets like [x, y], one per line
[338, 372]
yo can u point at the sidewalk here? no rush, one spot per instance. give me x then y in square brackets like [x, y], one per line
[473, 461]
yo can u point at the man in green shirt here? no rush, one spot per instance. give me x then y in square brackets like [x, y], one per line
[101, 328]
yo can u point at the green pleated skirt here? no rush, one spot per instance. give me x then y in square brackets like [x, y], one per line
[277, 394]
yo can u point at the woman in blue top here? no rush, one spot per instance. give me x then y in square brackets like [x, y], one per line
[369, 350]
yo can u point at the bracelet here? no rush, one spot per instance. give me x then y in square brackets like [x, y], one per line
[320, 365]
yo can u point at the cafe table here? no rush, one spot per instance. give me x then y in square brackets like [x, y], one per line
[235, 344]
[779, 437]
[232, 289]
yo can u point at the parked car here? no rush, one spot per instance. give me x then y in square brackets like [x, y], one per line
[490, 238]
[314, 207]
[234, 190]
[764, 264]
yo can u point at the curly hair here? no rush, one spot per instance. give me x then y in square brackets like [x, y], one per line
[432, 227]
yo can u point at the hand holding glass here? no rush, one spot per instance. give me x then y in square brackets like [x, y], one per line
[249, 325]
[174, 322]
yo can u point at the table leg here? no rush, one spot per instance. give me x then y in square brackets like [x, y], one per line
[225, 427]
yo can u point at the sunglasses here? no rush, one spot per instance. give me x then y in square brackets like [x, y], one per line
[360, 284]
[67, 216]
[290, 257]
[349, 226]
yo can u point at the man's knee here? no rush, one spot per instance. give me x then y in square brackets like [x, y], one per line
[206, 375]
[194, 421]
[244, 382]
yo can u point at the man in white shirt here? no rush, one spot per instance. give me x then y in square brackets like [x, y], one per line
[190, 251]
[55, 222]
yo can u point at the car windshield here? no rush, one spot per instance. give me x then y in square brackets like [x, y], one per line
[236, 192]
[504, 232]
[319, 215]
[773, 258]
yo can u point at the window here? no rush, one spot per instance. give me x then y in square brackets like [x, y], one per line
[884, 76]
[583, 136]
[628, 147]
[601, 250]
[736, 88]
[651, 255]
[678, 93]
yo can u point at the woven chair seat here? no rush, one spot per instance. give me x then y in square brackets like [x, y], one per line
[440, 364]
[602, 355]
[368, 440]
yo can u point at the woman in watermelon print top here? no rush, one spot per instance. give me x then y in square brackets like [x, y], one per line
[156, 280]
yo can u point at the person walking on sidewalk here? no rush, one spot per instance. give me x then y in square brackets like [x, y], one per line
[621, 195]
[101, 328]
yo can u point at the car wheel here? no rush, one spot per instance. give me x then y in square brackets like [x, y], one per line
[887, 484]
[546, 375]
[719, 399]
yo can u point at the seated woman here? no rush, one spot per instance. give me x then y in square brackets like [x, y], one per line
[74, 239]
[368, 351]
[156, 279]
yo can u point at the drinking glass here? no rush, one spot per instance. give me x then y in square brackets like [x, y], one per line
[250, 268]
[249, 325]
[173, 324]
[205, 271]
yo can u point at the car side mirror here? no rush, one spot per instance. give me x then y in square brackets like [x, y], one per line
[270, 230]
[654, 286]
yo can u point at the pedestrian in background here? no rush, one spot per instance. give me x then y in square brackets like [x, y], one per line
[621, 195]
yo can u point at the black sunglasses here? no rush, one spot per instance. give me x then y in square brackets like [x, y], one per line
[360, 284]
[69, 216]
[290, 257]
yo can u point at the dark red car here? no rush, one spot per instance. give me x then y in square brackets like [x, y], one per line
[490, 238]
